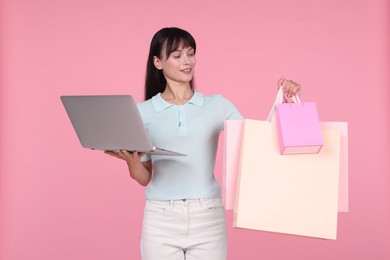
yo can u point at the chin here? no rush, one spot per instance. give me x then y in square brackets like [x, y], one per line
[187, 80]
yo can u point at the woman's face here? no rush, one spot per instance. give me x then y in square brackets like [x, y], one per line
[178, 66]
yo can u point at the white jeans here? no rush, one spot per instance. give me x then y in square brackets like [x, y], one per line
[184, 229]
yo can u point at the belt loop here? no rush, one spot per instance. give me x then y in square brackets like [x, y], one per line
[201, 200]
[171, 204]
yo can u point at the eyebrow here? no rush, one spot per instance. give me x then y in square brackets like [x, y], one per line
[189, 49]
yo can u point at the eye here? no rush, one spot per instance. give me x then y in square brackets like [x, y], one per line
[175, 54]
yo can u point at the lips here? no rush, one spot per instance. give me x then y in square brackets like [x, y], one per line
[188, 70]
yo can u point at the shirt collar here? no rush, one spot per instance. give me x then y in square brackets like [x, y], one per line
[160, 104]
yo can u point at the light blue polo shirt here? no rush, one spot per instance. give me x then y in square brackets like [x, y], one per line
[192, 129]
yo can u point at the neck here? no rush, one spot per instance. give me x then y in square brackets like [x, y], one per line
[177, 94]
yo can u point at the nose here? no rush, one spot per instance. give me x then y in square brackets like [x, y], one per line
[186, 59]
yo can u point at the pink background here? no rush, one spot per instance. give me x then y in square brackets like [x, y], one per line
[60, 201]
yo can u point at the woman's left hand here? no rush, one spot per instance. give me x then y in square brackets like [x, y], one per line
[290, 88]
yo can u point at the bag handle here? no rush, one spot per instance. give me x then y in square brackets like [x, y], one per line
[295, 98]
[280, 98]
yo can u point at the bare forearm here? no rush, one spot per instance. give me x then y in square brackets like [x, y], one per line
[140, 173]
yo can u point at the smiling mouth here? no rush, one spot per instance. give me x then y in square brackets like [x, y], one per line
[187, 70]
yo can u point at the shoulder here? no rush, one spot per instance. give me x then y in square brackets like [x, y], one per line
[215, 98]
[145, 107]
[225, 107]
[145, 104]
[219, 100]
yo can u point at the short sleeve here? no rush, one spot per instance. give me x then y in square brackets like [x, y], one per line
[145, 108]
[230, 112]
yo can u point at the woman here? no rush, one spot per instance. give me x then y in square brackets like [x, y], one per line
[184, 217]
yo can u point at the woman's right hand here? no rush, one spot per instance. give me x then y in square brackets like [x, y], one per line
[129, 157]
[139, 171]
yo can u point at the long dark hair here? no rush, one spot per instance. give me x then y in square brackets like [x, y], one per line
[173, 37]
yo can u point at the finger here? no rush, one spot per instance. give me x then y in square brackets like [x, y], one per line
[134, 155]
[297, 89]
[108, 153]
[138, 155]
[280, 82]
[288, 86]
[126, 153]
[293, 88]
[113, 154]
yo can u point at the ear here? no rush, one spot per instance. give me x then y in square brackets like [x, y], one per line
[157, 63]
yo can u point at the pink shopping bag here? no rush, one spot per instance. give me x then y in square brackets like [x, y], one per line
[231, 159]
[299, 128]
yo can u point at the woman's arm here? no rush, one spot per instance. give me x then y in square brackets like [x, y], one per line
[139, 171]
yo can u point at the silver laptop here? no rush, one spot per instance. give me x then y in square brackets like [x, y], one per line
[109, 123]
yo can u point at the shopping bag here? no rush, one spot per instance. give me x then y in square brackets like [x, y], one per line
[231, 158]
[286, 194]
[342, 128]
[299, 129]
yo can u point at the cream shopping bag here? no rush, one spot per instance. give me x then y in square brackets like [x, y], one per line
[287, 194]
[231, 158]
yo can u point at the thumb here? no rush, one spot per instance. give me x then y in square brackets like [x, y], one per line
[280, 82]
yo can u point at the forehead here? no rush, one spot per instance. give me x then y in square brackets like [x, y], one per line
[172, 45]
